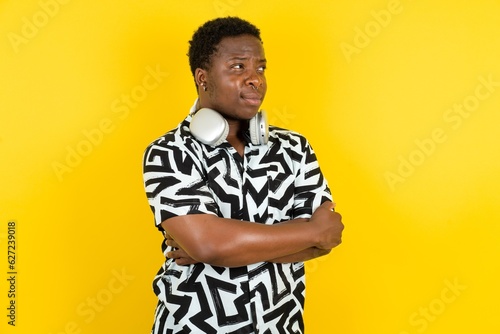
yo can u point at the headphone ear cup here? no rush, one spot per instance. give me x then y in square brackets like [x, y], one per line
[258, 128]
[209, 127]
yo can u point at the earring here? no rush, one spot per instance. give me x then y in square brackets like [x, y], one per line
[204, 87]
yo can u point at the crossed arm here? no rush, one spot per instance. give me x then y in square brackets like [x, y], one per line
[232, 243]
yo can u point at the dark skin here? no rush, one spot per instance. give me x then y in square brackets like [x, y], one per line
[234, 84]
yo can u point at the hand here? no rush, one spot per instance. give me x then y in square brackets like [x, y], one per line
[178, 254]
[328, 226]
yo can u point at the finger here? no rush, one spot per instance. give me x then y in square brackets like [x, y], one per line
[173, 255]
[180, 253]
[184, 261]
[171, 243]
[329, 205]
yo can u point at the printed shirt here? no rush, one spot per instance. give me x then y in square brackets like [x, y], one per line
[271, 183]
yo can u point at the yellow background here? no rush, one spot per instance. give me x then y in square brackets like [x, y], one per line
[372, 84]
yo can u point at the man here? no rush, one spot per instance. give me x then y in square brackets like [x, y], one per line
[239, 216]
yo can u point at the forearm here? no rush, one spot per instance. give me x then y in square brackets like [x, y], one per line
[230, 243]
[304, 255]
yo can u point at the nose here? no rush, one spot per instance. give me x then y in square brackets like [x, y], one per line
[255, 80]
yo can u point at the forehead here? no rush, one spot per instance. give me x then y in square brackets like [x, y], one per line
[244, 45]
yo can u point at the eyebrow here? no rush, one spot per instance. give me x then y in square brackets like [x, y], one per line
[263, 60]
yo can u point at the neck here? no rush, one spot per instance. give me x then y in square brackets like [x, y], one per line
[235, 127]
[235, 137]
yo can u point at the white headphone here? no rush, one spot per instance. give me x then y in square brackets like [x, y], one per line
[209, 127]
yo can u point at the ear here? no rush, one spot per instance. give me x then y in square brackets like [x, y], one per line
[200, 76]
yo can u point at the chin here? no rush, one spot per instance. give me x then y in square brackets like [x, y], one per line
[251, 108]
[251, 114]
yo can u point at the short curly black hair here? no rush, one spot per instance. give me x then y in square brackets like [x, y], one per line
[205, 40]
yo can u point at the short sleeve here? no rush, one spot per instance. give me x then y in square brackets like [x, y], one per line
[311, 187]
[175, 184]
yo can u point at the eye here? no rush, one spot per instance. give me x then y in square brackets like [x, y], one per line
[261, 69]
[237, 66]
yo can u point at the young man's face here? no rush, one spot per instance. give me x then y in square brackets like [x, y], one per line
[235, 80]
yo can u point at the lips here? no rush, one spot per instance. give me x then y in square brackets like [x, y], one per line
[252, 98]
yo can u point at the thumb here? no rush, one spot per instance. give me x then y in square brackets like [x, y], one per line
[329, 205]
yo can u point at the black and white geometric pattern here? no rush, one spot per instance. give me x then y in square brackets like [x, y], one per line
[270, 184]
